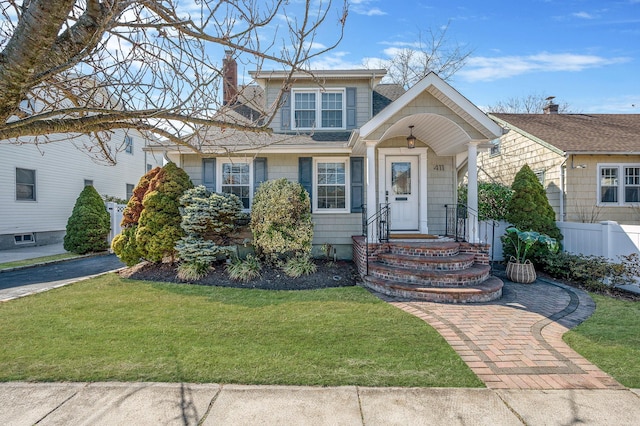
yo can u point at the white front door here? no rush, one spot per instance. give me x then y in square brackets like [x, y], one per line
[402, 192]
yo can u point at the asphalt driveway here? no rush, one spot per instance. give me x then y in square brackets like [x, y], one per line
[22, 281]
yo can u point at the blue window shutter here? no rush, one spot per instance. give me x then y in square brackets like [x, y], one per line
[351, 108]
[357, 184]
[285, 111]
[259, 172]
[209, 173]
[305, 174]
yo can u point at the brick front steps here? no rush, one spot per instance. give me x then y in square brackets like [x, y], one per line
[425, 270]
[490, 289]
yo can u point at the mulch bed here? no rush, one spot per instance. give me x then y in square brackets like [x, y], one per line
[329, 274]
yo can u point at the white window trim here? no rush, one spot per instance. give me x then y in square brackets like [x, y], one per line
[621, 184]
[35, 186]
[347, 184]
[220, 165]
[128, 144]
[318, 93]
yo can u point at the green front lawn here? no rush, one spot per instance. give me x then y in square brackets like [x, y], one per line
[610, 338]
[113, 329]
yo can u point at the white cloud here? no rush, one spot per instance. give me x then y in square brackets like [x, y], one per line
[482, 68]
[583, 15]
[334, 61]
[315, 46]
[364, 7]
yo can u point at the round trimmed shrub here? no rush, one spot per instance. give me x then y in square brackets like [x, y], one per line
[281, 220]
[89, 224]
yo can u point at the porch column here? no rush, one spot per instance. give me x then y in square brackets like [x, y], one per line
[371, 187]
[472, 192]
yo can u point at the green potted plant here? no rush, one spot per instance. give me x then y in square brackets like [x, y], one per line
[519, 268]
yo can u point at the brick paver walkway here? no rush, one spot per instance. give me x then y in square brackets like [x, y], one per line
[516, 342]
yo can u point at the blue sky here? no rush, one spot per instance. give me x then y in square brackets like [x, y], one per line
[585, 53]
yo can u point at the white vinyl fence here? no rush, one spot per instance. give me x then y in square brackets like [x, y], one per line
[607, 239]
[115, 211]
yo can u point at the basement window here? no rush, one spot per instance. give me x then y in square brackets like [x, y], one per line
[24, 238]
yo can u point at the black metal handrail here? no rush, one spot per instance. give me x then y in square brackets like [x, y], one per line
[379, 221]
[456, 221]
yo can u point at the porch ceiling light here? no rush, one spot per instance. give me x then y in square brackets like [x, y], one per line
[411, 140]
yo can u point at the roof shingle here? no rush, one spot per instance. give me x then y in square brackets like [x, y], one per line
[606, 133]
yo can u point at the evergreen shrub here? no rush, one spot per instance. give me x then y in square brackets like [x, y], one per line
[281, 220]
[124, 245]
[493, 199]
[159, 224]
[529, 210]
[207, 220]
[89, 224]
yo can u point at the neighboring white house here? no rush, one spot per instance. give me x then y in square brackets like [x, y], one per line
[40, 184]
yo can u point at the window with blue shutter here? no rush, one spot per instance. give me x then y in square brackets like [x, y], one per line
[259, 172]
[351, 108]
[357, 184]
[285, 111]
[209, 173]
[305, 174]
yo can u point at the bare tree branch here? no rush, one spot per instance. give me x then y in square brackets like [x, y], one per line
[92, 66]
[432, 51]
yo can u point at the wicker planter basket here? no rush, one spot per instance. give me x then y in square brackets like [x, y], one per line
[523, 273]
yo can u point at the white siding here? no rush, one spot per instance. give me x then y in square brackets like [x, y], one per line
[61, 170]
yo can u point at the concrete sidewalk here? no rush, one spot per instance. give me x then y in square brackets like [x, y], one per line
[212, 404]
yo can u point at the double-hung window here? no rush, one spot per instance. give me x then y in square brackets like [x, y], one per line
[318, 109]
[128, 144]
[618, 184]
[236, 178]
[330, 181]
[25, 185]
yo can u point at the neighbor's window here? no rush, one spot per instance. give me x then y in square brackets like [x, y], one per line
[25, 185]
[130, 188]
[540, 175]
[128, 144]
[236, 179]
[316, 109]
[619, 184]
[495, 148]
[632, 184]
[331, 185]
[88, 182]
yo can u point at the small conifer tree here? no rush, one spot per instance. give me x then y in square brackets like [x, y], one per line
[207, 221]
[89, 224]
[159, 223]
[124, 245]
[529, 210]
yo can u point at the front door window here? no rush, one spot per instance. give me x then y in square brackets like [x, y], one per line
[401, 178]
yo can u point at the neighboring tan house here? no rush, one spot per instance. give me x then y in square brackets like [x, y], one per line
[40, 183]
[589, 164]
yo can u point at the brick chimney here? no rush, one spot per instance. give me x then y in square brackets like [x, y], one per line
[551, 107]
[230, 79]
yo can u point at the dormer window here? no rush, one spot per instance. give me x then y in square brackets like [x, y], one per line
[318, 109]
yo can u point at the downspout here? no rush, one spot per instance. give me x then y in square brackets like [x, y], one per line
[563, 170]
